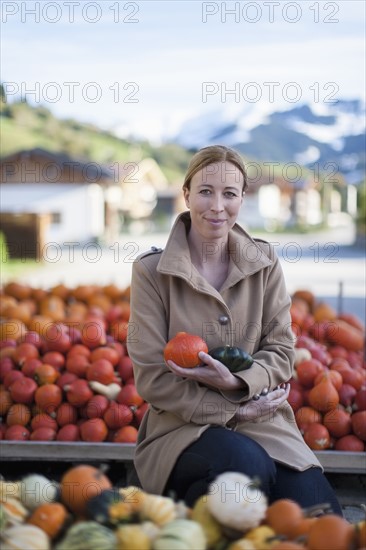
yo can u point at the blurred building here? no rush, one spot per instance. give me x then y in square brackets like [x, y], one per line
[50, 198]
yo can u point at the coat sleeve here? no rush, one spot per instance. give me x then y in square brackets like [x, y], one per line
[146, 339]
[274, 358]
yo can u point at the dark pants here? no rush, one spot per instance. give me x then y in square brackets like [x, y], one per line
[220, 450]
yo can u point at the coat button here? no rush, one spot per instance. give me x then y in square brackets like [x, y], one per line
[223, 319]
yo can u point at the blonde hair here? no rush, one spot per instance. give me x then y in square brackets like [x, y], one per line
[211, 155]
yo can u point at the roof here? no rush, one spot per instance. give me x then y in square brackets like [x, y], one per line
[94, 170]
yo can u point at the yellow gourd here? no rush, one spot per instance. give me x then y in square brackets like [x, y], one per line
[21, 537]
[134, 496]
[132, 537]
[158, 509]
[9, 489]
[13, 512]
[210, 526]
[242, 544]
[263, 537]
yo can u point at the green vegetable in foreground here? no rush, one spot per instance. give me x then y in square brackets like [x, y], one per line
[234, 358]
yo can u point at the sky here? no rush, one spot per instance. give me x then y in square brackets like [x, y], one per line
[143, 68]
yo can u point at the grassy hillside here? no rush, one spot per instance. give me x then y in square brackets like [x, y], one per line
[23, 126]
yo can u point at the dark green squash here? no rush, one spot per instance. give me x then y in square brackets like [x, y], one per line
[109, 508]
[234, 358]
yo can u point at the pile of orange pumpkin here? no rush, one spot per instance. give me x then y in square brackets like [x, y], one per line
[84, 510]
[65, 373]
[64, 369]
[328, 390]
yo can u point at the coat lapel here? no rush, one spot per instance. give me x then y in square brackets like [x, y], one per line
[246, 257]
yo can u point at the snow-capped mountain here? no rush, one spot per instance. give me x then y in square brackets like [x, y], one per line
[320, 133]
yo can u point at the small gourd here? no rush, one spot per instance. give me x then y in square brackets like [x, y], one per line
[109, 507]
[36, 489]
[209, 524]
[134, 496]
[108, 390]
[132, 537]
[235, 502]
[50, 518]
[19, 537]
[234, 358]
[88, 535]
[9, 489]
[263, 537]
[158, 509]
[181, 534]
[242, 544]
[13, 512]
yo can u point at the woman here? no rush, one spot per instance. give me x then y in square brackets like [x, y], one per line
[215, 281]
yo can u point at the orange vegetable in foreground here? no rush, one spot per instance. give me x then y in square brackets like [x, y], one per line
[184, 348]
[81, 483]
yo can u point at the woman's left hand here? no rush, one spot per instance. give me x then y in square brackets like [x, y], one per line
[211, 373]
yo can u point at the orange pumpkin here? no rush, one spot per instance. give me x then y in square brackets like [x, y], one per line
[45, 374]
[18, 290]
[324, 312]
[334, 376]
[307, 296]
[342, 333]
[81, 483]
[307, 371]
[48, 397]
[66, 414]
[101, 371]
[18, 414]
[324, 397]
[352, 320]
[283, 516]
[317, 437]
[61, 291]
[289, 545]
[330, 531]
[110, 354]
[19, 311]
[338, 422]
[183, 349]
[43, 420]
[78, 392]
[12, 329]
[40, 324]
[127, 434]
[112, 291]
[350, 443]
[5, 402]
[94, 430]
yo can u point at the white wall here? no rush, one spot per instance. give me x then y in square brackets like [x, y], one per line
[81, 208]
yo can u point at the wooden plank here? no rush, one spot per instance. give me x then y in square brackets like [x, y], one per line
[332, 461]
[342, 462]
[59, 451]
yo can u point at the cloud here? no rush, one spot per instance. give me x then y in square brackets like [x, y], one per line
[171, 53]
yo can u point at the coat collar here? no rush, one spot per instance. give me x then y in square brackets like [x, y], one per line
[246, 257]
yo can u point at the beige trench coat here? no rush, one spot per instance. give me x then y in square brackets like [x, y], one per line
[168, 295]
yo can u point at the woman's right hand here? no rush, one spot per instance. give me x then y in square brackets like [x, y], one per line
[262, 409]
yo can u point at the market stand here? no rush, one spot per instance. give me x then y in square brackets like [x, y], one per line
[346, 471]
[332, 461]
